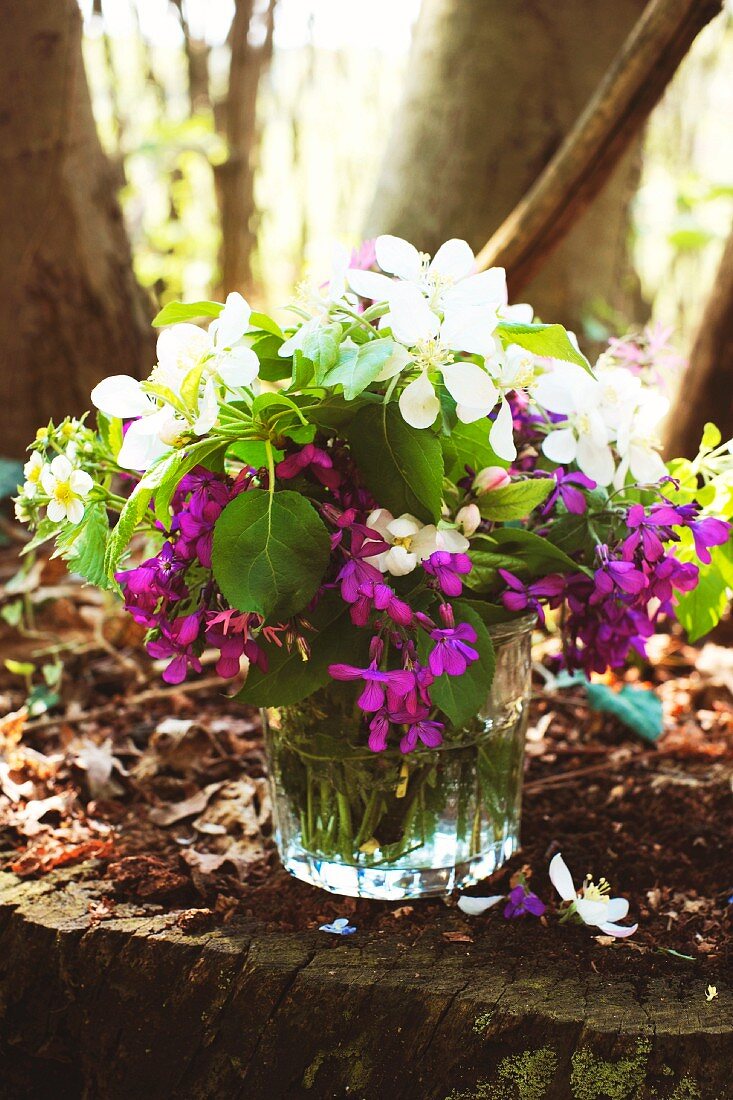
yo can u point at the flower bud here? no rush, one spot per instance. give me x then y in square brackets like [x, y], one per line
[490, 478]
[468, 519]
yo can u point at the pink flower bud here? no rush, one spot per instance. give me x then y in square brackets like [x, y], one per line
[490, 478]
[468, 519]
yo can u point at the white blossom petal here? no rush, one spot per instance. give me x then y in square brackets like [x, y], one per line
[474, 907]
[411, 318]
[61, 468]
[451, 540]
[404, 526]
[232, 322]
[208, 410]
[400, 561]
[398, 257]
[617, 909]
[520, 314]
[454, 259]
[561, 878]
[594, 459]
[369, 284]
[120, 395]
[80, 483]
[469, 328]
[418, 404]
[487, 289]
[238, 367]
[180, 347]
[75, 509]
[501, 435]
[617, 930]
[396, 363]
[560, 446]
[142, 444]
[56, 511]
[468, 384]
[645, 463]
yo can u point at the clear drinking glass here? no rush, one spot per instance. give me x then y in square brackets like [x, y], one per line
[393, 826]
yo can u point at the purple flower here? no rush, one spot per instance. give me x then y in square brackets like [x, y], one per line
[177, 642]
[353, 576]
[385, 600]
[522, 900]
[566, 490]
[430, 733]
[616, 576]
[447, 570]
[379, 731]
[530, 597]
[376, 683]
[310, 459]
[451, 652]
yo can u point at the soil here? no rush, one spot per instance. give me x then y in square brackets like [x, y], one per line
[164, 790]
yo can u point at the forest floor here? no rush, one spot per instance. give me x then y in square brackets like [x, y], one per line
[165, 790]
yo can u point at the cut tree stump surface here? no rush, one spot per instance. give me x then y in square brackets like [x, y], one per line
[135, 1007]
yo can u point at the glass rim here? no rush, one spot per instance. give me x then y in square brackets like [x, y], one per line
[523, 624]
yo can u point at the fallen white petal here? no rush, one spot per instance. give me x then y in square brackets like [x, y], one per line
[473, 907]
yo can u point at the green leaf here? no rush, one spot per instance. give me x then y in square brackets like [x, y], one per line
[19, 668]
[83, 547]
[700, 610]
[491, 614]
[262, 321]
[357, 367]
[270, 552]
[322, 348]
[637, 708]
[135, 508]
[289, 678]
[253, 452]
[273, 367]
[515, 501]
[200, 454]
[110, 430]
[537, 554]
[401, 465]
[549, 341]
[711, 437]
[175, 312]
[468, 445]
[462, 697]
[335, 413]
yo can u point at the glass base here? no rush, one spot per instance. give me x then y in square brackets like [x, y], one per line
[395, 883]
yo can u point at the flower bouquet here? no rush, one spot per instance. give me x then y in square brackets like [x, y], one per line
[368, 511]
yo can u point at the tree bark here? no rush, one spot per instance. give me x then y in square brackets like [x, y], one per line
[134, 1007]
[238, 116]
[706, 389]
[70, 310]
[615, 114]
[492, 90]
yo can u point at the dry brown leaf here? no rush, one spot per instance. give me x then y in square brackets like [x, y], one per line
[171, 812]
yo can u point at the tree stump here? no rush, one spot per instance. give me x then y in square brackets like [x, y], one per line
[134, 1007]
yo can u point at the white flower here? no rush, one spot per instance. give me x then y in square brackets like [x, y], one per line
[592, 903]
[68, 488]
[318, 302]
[410, 541]
[638, 443]
[444, 294]
[180, 349]
[32, 470]
[620, 392]
[584, 437]
[473, 907]
[468, 384]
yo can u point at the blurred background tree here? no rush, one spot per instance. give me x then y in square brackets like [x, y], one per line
[248, 136]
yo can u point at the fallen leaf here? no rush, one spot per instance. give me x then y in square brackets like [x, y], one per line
[172, 812]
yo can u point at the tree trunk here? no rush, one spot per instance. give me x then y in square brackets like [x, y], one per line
[238, 118]
[70, 310]
[706, 390]
[492, 90]
[135, 1007]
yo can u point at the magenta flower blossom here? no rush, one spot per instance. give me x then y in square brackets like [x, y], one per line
[177, 642]
[379, 731]
[530, 597]
[376, 683]
[452, 652]
[310, 459]
[430, 733]
[568, 490]
[447, 570]
[616, 576]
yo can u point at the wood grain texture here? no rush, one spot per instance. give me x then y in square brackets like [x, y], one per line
[134, 1008]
